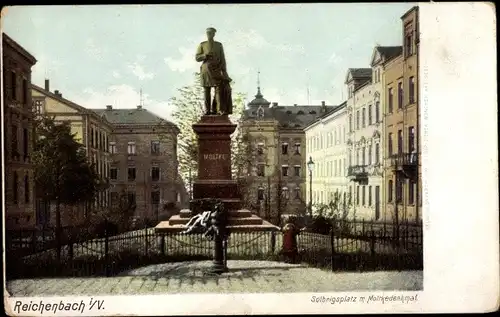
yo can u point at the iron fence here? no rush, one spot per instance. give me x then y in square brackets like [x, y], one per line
[361, 245]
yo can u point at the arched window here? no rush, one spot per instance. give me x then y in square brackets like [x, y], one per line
[26, 189]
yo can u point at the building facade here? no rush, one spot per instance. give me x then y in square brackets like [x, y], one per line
[18, 138]
[143, 161]
[276, 182]
[402, 163]
[365, 169]
[91, 130]
[326, 146]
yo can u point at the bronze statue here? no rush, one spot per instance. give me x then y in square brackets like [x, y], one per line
[214, 74]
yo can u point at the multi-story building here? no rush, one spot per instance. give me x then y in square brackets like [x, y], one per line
[144, 163]
[19, 133]
[90, 129]
[402, 163]
[326, 145]
[276, 182]
[381, 56]
[365, 169]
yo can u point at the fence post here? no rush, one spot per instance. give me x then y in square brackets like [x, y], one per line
[372, 243]
[332, 245]
[162, 244]
[145, 239]
[273, 242]
[106, 248]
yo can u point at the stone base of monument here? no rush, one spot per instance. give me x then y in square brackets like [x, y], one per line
[238, 221]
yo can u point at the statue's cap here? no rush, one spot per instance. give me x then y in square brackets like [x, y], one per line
[210, 29]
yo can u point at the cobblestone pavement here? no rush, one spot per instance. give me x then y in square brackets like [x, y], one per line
[243, 277]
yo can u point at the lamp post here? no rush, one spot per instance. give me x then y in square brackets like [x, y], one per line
[310, 166]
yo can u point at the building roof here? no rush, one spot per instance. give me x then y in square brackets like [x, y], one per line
[389, 52]
[331, 111]
[70, 103]
[361, 74]
[8, 40]
[259, 100]
[133, 116]
[292, 117]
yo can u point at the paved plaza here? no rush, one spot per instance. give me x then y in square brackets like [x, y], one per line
[243, 277]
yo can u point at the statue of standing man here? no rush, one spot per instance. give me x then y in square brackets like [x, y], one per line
[214, 75]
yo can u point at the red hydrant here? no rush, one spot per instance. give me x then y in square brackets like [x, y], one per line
[290, 251]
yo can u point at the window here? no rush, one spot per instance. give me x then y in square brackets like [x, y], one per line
[15, 188]
[131, 173]
[377, 153]
[411, 192]
[297, 148]
[155, 197]
[155, 173]
[260, 193]
[284, 170]
[131, 199]
[112, 147]
[26, 189]
[357, 195]
[400, 141]
[390, 104]
[377, 111]
[370, 154]
[411, 93]
[25, 143]
[389, 191]
[38, 106]
[411, 139]
[296, 169]
[389, 145]
[260, 149]
[363, 155]
[357, 156]
[357, 120]
[131, 148]
[350, 123]
[400, 95]
[261, 170]
[14, 141]
[408, 45]
[399, 191]
[25, 91]
[284, 148]
[92, 137]
[285, 193]
[363, 117]
[297, 192]
[13, 78]
[363, 196]
[370, 119]
[113, 173]
[155, 147]
[369, 196]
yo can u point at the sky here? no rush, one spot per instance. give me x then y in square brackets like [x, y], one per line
[105, 55]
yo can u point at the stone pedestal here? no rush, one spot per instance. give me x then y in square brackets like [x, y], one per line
[214, 161]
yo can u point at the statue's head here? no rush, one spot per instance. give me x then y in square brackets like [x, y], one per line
[211, 33]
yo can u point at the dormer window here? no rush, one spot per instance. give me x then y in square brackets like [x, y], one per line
[288, 112]
[312, 112]
[300, 112]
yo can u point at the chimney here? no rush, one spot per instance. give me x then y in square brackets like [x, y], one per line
[275, 104]
[295, 105]
[47, 87]
[57, 93]
[109, 107]
[139, 107]
[323, 103]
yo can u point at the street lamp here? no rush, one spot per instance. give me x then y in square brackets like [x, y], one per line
[310, 166]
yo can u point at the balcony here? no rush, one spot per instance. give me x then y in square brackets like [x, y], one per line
[358, 173]
[405, 163]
